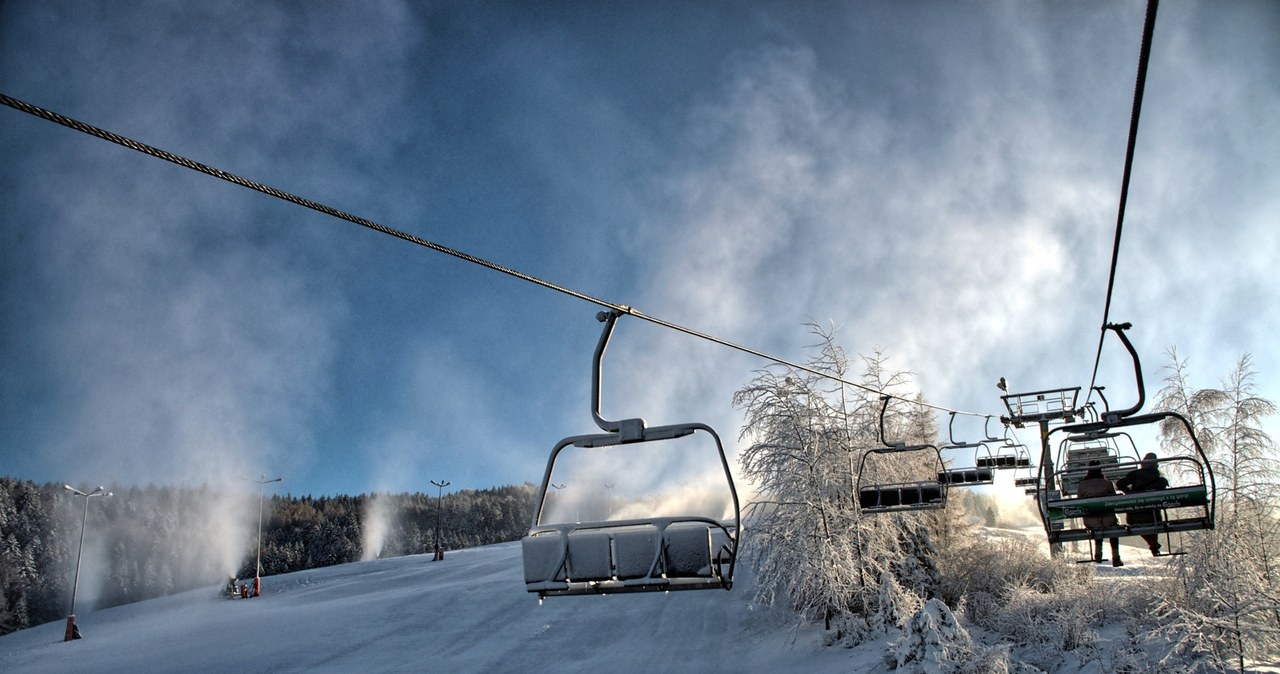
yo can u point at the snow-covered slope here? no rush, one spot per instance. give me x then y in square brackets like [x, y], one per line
[467, 613]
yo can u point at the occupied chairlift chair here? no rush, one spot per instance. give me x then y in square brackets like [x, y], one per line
[918, 495]
[963, 477]
[636, 555]
[1189, 506]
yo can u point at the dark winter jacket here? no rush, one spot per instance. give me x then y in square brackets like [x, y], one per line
[1095, 484]
[1146, 478]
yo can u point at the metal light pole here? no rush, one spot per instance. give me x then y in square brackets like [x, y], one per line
[608, 499]
[439, 506]
[73, 631]
[257, 576]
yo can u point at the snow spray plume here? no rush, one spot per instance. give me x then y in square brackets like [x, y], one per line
[379, 519]
[144, 543]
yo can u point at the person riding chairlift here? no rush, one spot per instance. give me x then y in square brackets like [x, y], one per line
[1096, 484]
[1146, 477]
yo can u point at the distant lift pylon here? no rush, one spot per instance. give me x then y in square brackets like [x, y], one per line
[656, 554]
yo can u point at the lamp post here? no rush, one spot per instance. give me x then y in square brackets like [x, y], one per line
[608, 499]
[439, 506]
[73, 631]
[257, 575]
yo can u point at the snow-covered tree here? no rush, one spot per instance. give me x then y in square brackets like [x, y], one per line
[805, 437]
[1227, 609]
[934, 642]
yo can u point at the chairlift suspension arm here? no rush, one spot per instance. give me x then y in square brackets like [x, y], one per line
[1106, 406]
[1119, 329]
[883, 408]
[986, 429]
[609, 318]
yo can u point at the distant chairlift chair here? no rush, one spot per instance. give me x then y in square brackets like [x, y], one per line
[963, 477]
[1006, 454]
[638, 555]
[891, 497]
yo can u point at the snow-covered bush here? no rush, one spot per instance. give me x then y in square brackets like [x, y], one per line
[997, 568]
[934, 642]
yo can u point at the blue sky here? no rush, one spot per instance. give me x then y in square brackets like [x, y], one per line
[937, 180]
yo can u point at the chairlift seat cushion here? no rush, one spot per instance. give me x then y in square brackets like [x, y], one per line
[636, 552]
[1001, 461]
[879, 497]
[688, 550]
[963, 476]
[543, 557]
[912, 495]
[589, 556]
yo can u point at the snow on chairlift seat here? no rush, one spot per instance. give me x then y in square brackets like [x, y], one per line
[661, 554]
[656, 554]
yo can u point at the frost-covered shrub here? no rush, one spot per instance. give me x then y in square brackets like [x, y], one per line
[997, 568]
[917, 567]
[934, 642]
[893, 607]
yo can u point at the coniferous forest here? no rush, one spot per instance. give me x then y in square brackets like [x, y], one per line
[144, 542]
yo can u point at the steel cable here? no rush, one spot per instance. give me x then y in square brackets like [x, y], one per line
[363, 222]
[1144, 57]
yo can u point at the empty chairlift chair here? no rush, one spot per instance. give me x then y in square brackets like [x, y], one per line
[879, 497]
[963, 477]
[1002, 453]
[632, 555]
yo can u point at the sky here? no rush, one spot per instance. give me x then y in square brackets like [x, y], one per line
[470, 613]
[938, 181]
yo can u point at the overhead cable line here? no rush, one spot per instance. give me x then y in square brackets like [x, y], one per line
[1144, 56]
[158, 153]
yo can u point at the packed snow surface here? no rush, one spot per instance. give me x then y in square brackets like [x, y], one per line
[467, 613]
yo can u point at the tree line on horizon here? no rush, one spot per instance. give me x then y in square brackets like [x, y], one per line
[146, 542]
